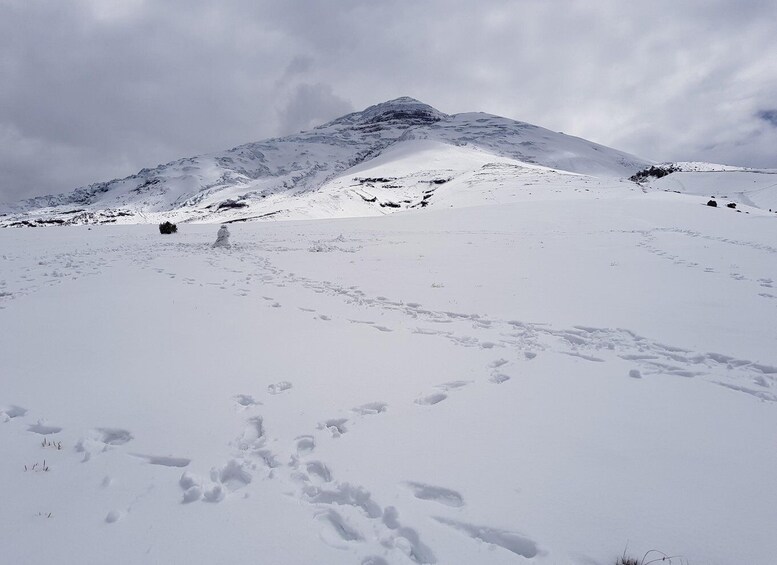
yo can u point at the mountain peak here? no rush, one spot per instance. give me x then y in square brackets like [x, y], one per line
[405, 110]
[403, 101]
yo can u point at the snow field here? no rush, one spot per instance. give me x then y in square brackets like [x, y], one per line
[537, 382]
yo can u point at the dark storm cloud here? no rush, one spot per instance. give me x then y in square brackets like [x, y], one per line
[95, 89]
[769, 116]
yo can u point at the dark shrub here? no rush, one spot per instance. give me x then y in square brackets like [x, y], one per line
[712, 203]
[731, 205]
[167, 227]
[654, 171]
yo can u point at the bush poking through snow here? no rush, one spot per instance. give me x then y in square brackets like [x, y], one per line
[167, 228]
[654, 171]
[712, 203]
[650, 557]
[37, 467]
[53, 444]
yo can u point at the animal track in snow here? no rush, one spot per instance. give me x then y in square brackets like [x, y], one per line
[440, 495]
[511, 541]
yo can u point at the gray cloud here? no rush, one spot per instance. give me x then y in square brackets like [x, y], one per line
[769, 116]
[96, 89]
[309, 105]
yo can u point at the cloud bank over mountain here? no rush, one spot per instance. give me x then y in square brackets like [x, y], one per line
[95, 90]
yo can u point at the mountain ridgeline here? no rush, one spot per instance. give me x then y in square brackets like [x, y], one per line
[293, 176]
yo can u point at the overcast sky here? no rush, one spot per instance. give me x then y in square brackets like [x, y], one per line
[92, 90]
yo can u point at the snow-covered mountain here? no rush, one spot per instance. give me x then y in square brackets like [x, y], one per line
[539, 362]
[324, 172]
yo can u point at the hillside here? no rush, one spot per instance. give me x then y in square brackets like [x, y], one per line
[293, 176]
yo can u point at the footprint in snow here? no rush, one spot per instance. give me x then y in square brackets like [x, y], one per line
[11, 412]
[280, 387]
[99, 440]
[163, 460]
[437, 494]
[337, 531]
[228, 478]
[336, 426]
[114, 436]
[305, 445]
[511, 541]
[499, 378]
[371, 408]
[432, 399]
[453, 385]
[246, 400]
[43, 429]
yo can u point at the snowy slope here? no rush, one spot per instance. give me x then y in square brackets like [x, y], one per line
[273, 178]
[548, 380]
[750, 187]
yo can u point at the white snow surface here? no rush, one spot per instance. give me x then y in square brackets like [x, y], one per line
[537, 367]
[750, 187]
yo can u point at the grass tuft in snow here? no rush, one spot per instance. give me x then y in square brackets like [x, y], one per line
[651, 556]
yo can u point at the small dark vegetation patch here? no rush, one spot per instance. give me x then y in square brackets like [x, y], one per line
[650, 557]
[232, 204]
[372, 180]
[653, 171]
[167, 227]
[731, 205]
